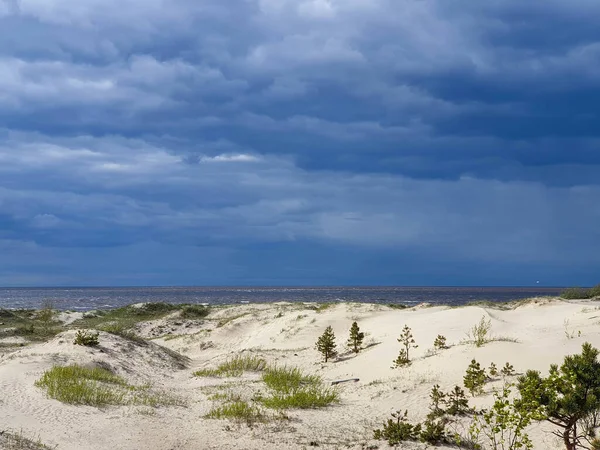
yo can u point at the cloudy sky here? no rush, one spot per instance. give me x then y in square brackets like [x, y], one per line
[290, 142]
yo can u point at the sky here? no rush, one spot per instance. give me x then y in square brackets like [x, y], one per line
[299, 142]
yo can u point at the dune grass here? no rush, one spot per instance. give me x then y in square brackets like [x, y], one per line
[239, 411]
[291, 389]
[83, 386]
[11, 440]
[235, 367]
[99, 387]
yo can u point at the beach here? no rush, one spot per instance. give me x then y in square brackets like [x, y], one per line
[170, 364]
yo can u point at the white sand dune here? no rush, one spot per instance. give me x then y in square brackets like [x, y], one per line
[286, 333]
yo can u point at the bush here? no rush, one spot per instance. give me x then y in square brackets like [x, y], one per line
[87, 338]
[502, 427]
[493, 370]
[475, 378]
[577, 293]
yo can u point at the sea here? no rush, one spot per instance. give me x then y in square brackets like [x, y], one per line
[78, 298]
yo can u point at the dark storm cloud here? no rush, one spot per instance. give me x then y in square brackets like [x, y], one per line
[458, 131]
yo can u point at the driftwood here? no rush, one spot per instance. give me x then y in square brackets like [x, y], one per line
[333, 383]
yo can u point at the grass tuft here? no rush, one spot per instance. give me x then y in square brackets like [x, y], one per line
[292, 389]
[235, 367]
[79, 385]
[238, 410]
[83, 386]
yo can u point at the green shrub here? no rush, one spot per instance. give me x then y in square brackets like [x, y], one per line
[475, 378]
[493, 370]
[577, 293]
[502, 427]
[87, 338]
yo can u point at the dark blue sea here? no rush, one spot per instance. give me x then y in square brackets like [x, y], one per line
[110, 297]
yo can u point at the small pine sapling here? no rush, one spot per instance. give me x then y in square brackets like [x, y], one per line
[474, 378]
[398, 430]
[508, 370]
[440, 342]
[438, 399]
[326, 344]
[457, 403]
[493, 370]
[408, 341]
[86, 338]
[356, 338]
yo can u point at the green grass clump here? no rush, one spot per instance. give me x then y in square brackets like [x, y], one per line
[288, 379]
[83, 386]
[238, 410]
[10, 440]
[235, 367]
[79, 385]
[292, 389]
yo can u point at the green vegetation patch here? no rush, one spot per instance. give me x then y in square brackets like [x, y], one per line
[235, 367]
[238, 410]
[577, 293]
[290, 388]
[10, 440]
[79, 385]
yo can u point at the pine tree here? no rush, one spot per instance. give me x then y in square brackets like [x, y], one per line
[569, 396]
[356, 338]
[440, 342]
[408, 341]
[456, 402]
[493, 370]
[326, 344]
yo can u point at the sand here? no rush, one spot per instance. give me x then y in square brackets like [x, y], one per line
[531, 336]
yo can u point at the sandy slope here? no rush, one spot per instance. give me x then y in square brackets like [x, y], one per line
[284, 334]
